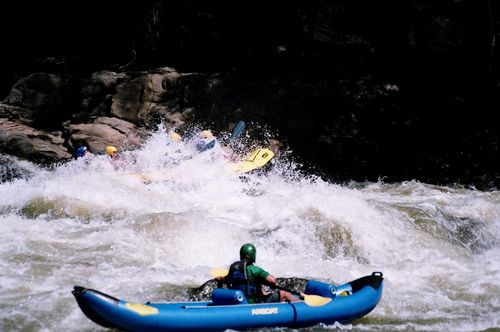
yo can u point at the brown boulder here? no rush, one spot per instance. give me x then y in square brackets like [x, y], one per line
[161, 93]
[32, 144]
[106, 131]
[41, 100]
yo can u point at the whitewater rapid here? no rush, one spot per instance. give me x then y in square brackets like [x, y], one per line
[85, 223]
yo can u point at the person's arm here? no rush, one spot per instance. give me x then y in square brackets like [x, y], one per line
[271, 280]
[262, 275]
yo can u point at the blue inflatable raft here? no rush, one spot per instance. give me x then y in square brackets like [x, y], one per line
[228, 309]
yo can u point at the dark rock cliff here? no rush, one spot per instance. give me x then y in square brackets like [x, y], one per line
[358, 89]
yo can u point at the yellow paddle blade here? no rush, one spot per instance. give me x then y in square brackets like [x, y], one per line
[254, 160]
[315, 300]
[219, 272]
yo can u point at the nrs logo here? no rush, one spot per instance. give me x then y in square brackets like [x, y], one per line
[265, 311]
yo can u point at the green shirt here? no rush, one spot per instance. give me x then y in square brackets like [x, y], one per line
[256, 274]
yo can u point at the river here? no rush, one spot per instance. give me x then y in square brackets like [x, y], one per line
[84, 223]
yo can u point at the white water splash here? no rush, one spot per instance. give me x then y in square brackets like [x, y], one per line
[87, 224]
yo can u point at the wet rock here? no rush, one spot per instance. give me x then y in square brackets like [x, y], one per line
[29, 143]
[105, 131]
[41, 100]
[102, 82]
[160, 93]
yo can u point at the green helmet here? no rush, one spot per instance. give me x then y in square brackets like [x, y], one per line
[248, 251]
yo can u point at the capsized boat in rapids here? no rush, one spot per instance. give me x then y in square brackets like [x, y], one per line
[229, 309]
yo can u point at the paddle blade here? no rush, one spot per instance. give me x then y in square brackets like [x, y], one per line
[207, 146]
[311, 300]
[237, 130]
[316, 300]
[254, 160]
[219, 272]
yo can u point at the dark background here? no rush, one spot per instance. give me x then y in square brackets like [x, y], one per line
[398, 90]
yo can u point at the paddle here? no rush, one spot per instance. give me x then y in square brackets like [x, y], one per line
[219, 272]
[238, 129]
[312, 300]
[207, 146]
[254, 160]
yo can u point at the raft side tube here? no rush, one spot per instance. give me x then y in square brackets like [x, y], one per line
[79, 294]
[223, 296]
[111, 312]
[374, 281]
[314, 287]
[223, 317]
[366, 293]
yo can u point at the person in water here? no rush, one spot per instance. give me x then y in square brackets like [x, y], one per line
[206, 140]
[112, 152]
[82, 152]
[244, 275]
[116, 160]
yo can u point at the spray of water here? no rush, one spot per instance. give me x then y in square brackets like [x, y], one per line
[154, 227]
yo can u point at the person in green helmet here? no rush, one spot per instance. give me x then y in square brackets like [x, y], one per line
[244, 275]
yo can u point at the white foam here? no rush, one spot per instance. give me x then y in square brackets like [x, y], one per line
[87, 224]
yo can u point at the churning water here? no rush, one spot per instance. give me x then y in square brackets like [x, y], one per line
[84, 223]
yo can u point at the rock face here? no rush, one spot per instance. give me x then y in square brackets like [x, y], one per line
[358, 89]
[105, 131]
[103, 108]
[40, 100]
[160, 93]
[26, 142]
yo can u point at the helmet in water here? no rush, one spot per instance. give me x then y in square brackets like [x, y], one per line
[206, 134]
[80, 152]
[248, 251]
[175, 137]
[111, 149]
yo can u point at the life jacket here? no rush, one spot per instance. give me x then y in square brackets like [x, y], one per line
[237, 279]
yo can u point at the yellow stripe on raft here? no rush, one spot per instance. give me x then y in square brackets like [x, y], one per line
[142, 309]
[254, 160]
